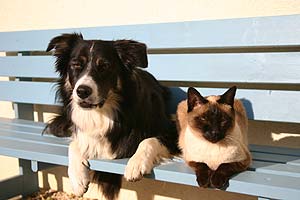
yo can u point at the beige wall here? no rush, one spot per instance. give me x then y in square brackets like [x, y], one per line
[38, 14]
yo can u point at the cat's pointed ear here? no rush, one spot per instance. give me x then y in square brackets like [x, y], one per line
[194, 98]
[228, 96]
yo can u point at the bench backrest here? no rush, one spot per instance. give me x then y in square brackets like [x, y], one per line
[259, 55]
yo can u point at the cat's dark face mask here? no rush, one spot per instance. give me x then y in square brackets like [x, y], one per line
[213, 120]
[214, 124]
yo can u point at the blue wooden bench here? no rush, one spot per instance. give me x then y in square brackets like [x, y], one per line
[259, 55]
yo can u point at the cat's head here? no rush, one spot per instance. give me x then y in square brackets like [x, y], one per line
[211, 116]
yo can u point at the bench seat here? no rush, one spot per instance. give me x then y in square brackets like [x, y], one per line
[271, 165]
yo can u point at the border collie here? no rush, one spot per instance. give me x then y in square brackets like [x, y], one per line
[111, 107]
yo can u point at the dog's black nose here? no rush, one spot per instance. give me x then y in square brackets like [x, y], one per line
[84, 91]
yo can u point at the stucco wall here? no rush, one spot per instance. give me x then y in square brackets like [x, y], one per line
[36, 14]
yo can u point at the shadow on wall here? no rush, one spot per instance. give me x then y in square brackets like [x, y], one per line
[274, 133]
[146, 189]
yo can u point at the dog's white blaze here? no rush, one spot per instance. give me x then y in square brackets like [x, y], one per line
[201, 150]
[88, 81]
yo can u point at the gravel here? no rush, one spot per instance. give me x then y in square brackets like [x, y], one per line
[54, 195]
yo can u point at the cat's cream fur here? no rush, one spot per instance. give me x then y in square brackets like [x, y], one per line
[233, 148]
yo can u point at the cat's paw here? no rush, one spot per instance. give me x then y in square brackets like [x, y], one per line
[203, 181]
[202, 172]
[219, 180]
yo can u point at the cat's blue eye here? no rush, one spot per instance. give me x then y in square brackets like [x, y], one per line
[200, 118]
[223, 123]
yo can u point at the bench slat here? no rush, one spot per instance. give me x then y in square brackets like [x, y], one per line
[19, 136]
[265, 185]
[261, 31]
[260, 104]
[32, 135]
[22, 129]
[39, 126]
[37, 139]
[237, 67]
[275, 150]
[28, 66]
[28, 150]
[22, 123]
[295, 162]
[281, 169]
[273, 157]
[28, 92]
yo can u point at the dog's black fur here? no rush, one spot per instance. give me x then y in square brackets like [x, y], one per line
[115, 66]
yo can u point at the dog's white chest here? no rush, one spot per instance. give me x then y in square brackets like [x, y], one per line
[93, 147]
[200, 150]
[92, 126]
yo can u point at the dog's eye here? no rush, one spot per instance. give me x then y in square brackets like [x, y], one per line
[76, 66]
[102, 64]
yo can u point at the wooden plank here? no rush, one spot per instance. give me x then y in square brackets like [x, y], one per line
[260, 31]
[294, 162]
[6, 123]
[275, 150]
[281, 169]
[28, 66]
[273, 157]
[31, 134]
[28, 92]
[18, 135]
[34, 138]
[237, 67]
[38, 152]
[22, 129]
[259, 104]
[22, 123]
[265, 185]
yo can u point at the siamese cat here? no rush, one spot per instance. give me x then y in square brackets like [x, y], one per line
[213, 136]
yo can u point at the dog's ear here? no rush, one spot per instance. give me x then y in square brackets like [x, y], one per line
[132, 53]
[63, 46]
[64, 43]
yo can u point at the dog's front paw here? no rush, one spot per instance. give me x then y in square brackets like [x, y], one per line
[79, 177]
[136, 167]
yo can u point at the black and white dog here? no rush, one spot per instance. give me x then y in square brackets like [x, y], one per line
[111, 107]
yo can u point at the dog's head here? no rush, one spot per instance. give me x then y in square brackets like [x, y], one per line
[91, 69]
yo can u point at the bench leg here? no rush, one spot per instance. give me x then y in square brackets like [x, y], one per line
[24, 184]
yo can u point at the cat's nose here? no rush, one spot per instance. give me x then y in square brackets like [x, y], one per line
[214, 133]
